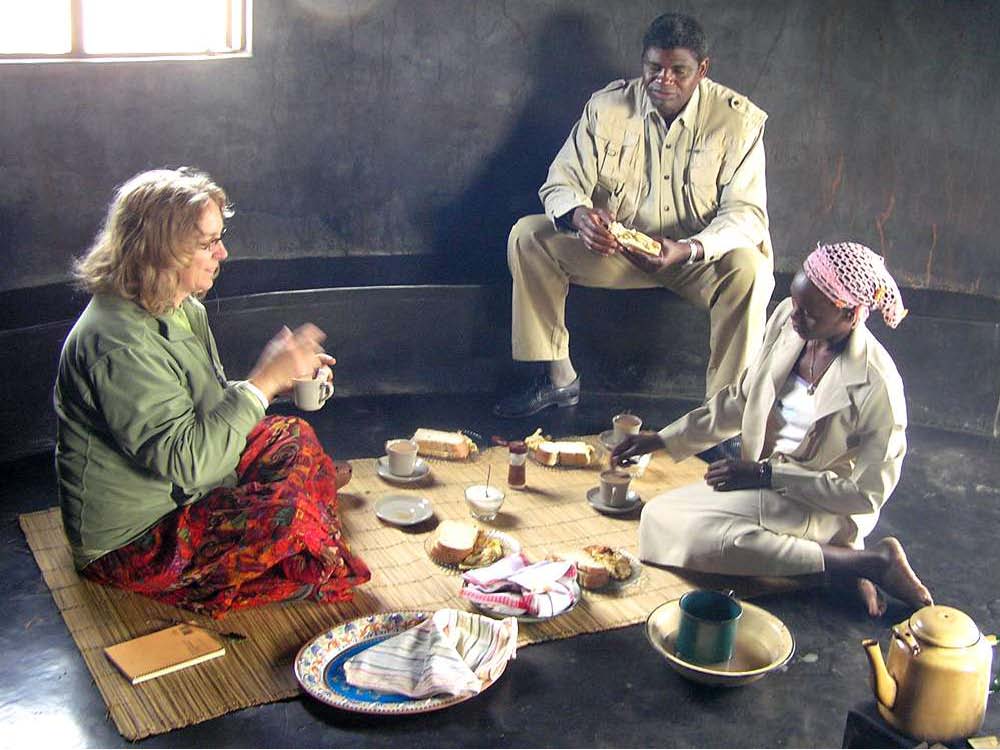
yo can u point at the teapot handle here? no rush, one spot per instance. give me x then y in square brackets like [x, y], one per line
[909, 640]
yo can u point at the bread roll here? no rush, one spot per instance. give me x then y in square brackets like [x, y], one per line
[455, 542]
[441, 444]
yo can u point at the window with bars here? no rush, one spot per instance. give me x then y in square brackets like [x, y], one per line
[60, 30]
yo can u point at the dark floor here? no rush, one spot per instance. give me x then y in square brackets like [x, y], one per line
[609, 689]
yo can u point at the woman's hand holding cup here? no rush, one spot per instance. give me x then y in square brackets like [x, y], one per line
[290, 355]
[633, 447]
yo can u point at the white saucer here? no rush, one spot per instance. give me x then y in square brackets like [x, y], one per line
[632, 501]
[420, 470]
[403, 510]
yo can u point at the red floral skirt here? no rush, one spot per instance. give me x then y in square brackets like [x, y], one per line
[276, 536]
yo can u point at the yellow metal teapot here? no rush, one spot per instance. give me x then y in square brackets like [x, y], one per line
[936, 682]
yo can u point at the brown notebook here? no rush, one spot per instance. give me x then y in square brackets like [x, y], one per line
[164, 651]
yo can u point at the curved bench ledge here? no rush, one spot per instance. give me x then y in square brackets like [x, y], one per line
[455, 339]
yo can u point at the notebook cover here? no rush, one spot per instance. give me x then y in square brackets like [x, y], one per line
[164, 651]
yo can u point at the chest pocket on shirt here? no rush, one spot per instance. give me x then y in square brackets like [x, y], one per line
[617, 169]
[701, 181]
[616, 154]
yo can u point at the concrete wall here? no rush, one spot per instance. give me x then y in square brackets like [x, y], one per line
[394, 142]
[425, 127]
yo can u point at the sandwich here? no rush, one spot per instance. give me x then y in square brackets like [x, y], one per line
[441, 444]
[561, 453]
[634, 239]
[590, 574]
[455, 542]
[564, 453]
[615, 561]
[486, 551]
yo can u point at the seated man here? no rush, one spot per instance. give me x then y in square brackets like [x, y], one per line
[677, 157]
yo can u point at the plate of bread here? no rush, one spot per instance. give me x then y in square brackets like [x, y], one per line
[604, 569]
[454, 445]
[458, 546]
[567, 454]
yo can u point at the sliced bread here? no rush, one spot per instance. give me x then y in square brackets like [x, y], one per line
[455, 541]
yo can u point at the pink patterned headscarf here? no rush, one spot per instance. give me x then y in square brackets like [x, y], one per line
[851, 275]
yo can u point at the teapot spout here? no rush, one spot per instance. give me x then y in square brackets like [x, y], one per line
[885, 686]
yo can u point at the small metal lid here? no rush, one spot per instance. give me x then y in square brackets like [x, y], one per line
[944, 626]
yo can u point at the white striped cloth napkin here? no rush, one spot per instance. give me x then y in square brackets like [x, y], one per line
[513, 586]
[450, 653]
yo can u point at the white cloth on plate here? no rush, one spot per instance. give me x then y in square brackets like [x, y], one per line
[513, 586]
[450, 653]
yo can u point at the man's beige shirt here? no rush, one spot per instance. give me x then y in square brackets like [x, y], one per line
[702, 178]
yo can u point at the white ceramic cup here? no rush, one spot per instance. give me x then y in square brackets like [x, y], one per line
[311, 393]
[402, 456]
[614, 488]
[484, 501]
[624, 425]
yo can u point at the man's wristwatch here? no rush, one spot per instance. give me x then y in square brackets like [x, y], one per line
[694, 245]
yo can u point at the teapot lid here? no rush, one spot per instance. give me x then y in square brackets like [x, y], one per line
[944, 626]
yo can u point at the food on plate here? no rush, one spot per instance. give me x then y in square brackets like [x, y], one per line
[634, 239]
[486, 551]
[589, 573]
[455, 541]
[562, 452]
[442, 444]
[465, 545]
[617, 563]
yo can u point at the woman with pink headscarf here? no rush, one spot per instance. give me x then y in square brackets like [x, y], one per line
[822, 416]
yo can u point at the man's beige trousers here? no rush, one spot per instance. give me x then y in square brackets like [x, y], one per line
[544, 262]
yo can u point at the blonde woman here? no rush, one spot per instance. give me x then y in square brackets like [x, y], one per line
[173, 483]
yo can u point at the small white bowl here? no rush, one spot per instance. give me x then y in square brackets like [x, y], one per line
[484, 501]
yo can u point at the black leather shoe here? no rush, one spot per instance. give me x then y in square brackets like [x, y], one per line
[541, 394]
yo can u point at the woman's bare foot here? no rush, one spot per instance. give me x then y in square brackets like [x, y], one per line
[898, 578]
[870, 597]
[343, 473]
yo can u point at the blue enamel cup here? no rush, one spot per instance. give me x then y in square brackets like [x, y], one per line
[707, 631]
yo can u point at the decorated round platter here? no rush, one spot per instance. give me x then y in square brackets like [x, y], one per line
[420, 471]
[510, 547]
[487, 609]
[403, 510]
[319, 667]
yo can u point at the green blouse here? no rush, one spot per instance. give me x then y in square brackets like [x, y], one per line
[146, 421]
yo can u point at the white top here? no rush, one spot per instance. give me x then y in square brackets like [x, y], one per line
[793, 413]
